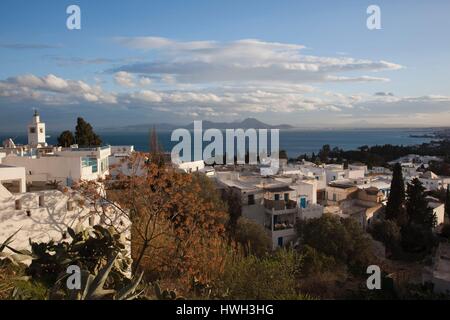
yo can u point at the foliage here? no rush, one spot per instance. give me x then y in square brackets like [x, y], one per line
[177, 228]
[66, 139]
[388, 232]
[423, 292]
[208, 191]
[15, 285]
[341, 239]
[445, 231]
[447, 202]
[268, 278]
[395, 206]
[252, 237]
[85, 135]
[417, 206]
[156, 155]
[13, 256]
[417, 239]
[380, 155]
[234, 205]
[165, 294]
[93, 285]
[314, 261]
[89, 249]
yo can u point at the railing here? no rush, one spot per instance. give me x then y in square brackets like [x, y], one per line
[283, 226]
[88, 148]
[279, 204]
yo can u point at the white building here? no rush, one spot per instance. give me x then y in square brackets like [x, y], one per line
[274, 202]
[335, 172]
[438, 209]
[45, 164]
[191, 166]
[409, 169]
[119, 160]
[355, 173]
[432, 181]
[63, 165]
[358, 166]
[14, 177]
[45, 215]
[416, 160]
[380, 170]
[36, 132]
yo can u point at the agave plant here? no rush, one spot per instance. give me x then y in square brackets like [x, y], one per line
[165, 294]
[93, 286]
[17, 256]
[89, 249]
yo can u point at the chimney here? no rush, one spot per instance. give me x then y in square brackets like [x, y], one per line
[19, 204]
[41, 201]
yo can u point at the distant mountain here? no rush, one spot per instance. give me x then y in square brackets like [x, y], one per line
[141, 128]
[248, 123]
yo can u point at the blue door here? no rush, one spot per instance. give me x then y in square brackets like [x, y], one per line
[303, 203]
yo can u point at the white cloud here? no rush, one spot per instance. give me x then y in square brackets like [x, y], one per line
[124, 79]
[244, 60]
[356, 79]
[145, 81]
[52, 89]
[215, 79]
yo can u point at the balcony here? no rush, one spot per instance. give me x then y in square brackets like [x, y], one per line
[283, 226]
[280, 206]
[285, 229]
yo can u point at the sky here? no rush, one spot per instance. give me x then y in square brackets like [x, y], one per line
[304, 63]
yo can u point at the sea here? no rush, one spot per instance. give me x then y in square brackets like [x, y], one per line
[295, 142]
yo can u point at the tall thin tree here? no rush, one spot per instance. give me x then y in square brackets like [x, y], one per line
[156, 152]
[447, 203]
[417, 206]
[395, 209]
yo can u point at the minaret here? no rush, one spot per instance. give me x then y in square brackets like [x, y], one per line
[36, 132]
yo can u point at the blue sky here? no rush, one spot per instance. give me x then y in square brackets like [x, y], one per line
[307, 63]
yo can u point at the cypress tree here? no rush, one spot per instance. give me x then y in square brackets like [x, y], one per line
[417, 206]
[85, 135]
[66, 139]
[447, 203]
[395, 205]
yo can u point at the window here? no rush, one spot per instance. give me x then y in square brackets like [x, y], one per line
[277, 197]
[104, 165]
[334, 196]
[251, 199]
[32, 130]
[90, 162]
[286, 197]
[41, 130]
